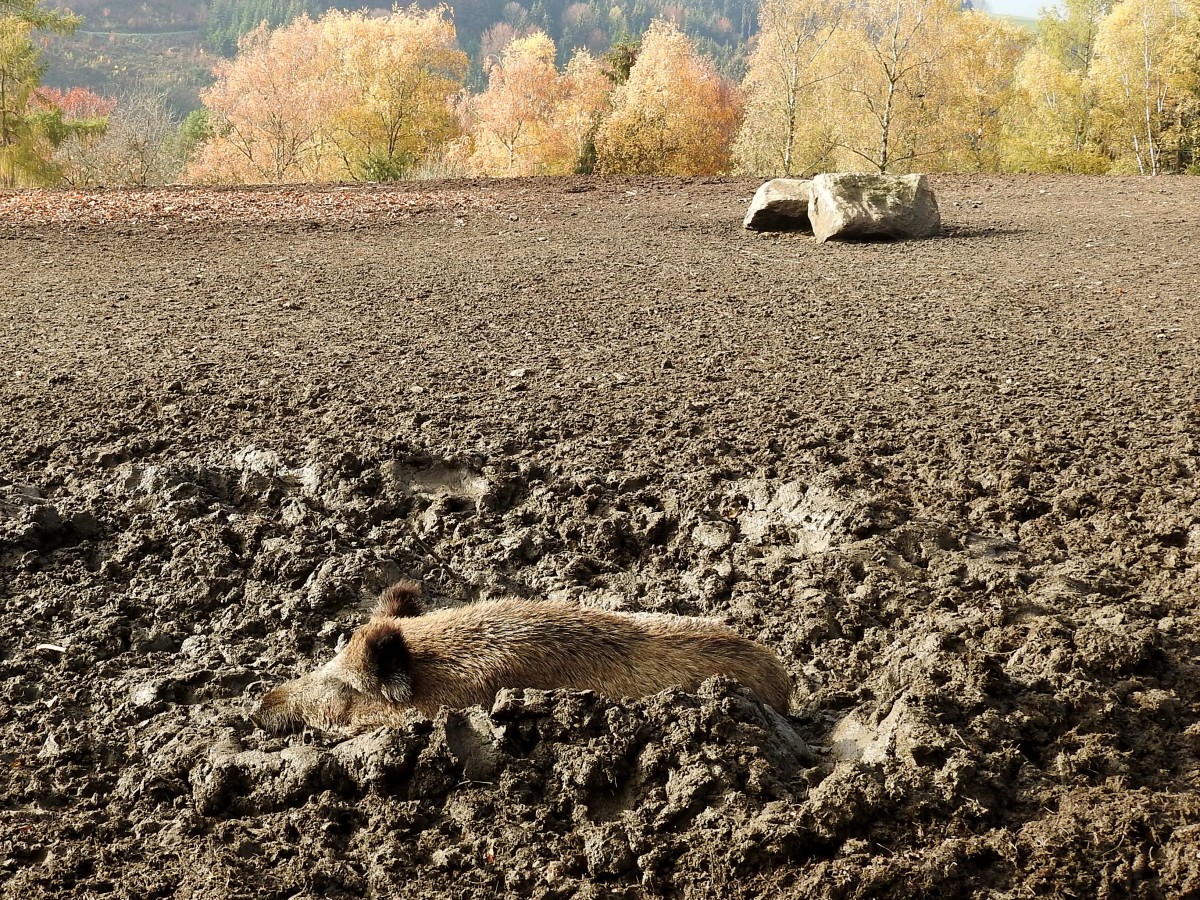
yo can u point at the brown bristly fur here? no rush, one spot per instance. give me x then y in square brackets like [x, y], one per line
[461, 657]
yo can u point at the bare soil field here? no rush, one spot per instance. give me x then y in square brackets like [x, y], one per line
[952, 482]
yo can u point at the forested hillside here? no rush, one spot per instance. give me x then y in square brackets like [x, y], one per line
[720, 27]
[173, 43]
[139, 15]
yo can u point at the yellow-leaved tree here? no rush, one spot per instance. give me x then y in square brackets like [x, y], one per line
[532, 120]
[399, 71]
[1049, 123]
[783, 130]
[349, 96]
[270, 108]
[675, 115]
[978, 87]
[1141, 75]
[1044, 124]
[890, 114]
[584, 101]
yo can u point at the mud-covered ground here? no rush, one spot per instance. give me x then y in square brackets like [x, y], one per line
[953, 483]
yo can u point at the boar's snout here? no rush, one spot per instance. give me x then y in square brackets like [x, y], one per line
[315, 700]
[277, 711]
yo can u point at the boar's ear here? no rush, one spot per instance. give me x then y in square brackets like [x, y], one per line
[401, 600]
[386, 661]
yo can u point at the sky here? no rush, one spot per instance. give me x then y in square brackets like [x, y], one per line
[1029, 8]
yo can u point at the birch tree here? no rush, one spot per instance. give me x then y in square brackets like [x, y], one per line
[1136, 76]
[350, 96]
[513, 119]
[1050, 123]
[783, 132]
[976, 86]
[891, 120]
[270, 109]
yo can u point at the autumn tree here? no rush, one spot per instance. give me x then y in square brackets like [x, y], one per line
[513, 119]
[894, 55]
[674, 116]
[86, 114]
[1039, 132]
[270, 109]
[495, 40]
[783, 132]
[533, 120]
[1139, 77]
[1187, 81]
[978, 86]
[347, 96]
[583, 27]
[29, 131]
[77, 103]
[398, 71]
[138, 144]
[581, 108]
[1049, 123]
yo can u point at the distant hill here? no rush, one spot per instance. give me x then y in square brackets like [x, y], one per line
[111, 62]
[1026, 22]
[123, 42]
[140, 15]
[173, 43]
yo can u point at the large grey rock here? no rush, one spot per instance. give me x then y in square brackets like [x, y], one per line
[851, 205]
[778, 205]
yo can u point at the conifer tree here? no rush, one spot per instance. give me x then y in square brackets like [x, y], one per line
[29, 131]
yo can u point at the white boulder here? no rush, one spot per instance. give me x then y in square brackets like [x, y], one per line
[856, 206]
[780, 204]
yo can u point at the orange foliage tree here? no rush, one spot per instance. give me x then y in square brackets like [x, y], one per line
[674, 116]
[269, 109]
[531, 120]
[587, 90]
[347, 96]
[77, 103]
[513, 119]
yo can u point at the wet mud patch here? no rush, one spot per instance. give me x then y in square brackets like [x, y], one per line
[953, 483]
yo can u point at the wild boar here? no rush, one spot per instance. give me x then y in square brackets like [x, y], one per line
[404, 658]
